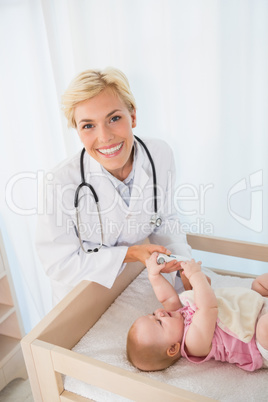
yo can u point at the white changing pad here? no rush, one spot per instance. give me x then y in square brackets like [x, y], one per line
[221, 381]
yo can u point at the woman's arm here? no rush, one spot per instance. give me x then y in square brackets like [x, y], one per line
[200, 334]
[66, 264]
[144, 251]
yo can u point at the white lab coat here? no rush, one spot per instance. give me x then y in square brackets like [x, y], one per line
[57, 242]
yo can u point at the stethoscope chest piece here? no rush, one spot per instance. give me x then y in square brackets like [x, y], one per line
[156, 220]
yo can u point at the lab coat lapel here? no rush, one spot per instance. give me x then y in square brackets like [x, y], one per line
[104, 186]
[140, 178]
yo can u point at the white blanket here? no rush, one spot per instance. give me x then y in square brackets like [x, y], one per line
[221, 381]
[238, 310]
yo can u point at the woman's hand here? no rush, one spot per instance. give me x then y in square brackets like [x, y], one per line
[144, 251]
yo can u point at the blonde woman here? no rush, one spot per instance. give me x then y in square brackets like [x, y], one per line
[106, 200]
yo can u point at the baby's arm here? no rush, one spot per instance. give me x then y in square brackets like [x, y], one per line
[260, 284]
[200, 333]
[163, 290]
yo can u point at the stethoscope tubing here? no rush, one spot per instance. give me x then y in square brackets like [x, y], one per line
[157, 220]
[153, 170]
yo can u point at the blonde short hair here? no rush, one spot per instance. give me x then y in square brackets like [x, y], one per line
[90, 83]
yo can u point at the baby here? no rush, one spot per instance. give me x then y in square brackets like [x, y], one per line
[158, 340]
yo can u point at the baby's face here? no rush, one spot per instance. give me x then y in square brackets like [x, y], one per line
[163, 327]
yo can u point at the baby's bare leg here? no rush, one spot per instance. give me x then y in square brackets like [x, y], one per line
[260, 285]
[262, 331]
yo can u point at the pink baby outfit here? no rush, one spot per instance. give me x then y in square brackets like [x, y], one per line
[225, 347]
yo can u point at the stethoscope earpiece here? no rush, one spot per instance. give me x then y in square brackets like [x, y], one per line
[95, 250]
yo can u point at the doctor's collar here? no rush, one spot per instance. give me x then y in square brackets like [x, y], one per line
[116, 182]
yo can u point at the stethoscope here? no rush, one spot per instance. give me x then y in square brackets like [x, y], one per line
[155, 219]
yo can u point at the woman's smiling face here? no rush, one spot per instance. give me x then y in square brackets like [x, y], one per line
[104, 125]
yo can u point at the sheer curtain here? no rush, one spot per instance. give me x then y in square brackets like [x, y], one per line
[198, 71]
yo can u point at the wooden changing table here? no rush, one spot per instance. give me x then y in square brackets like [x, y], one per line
[11, 329]
[47, 348]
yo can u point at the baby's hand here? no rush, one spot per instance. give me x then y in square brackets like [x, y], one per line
[152, 266]
[190, 268]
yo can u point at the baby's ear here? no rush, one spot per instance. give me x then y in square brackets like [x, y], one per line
[174, 349]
